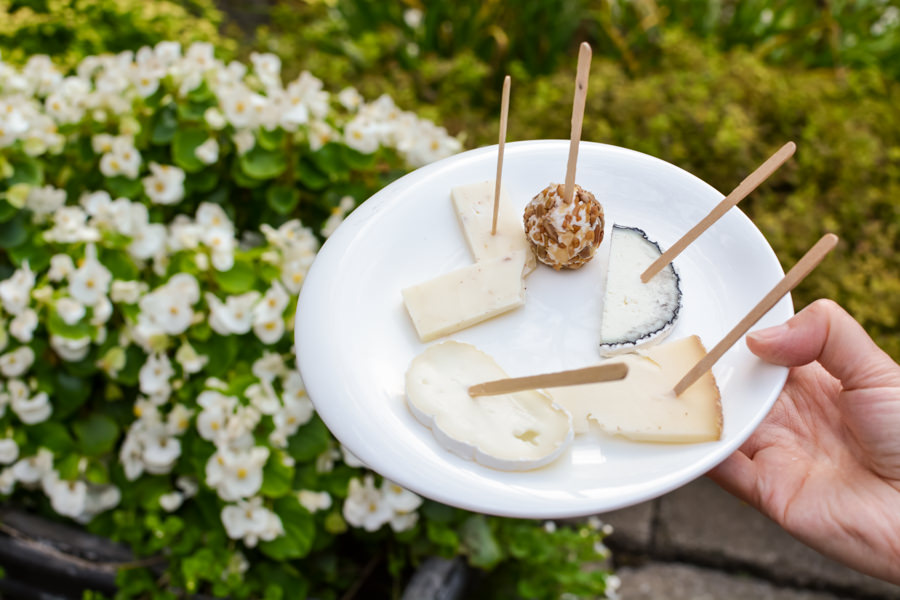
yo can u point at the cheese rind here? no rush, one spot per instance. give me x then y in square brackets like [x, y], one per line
[642, 406]
[635, 313]
[510, 432]
[474, 206]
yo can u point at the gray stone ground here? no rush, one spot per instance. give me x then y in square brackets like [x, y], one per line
[700, 543]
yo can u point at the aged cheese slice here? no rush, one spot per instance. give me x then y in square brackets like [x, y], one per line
[635, 313]
[642, 406]
[512, 432]
[474, 206]
[466, 296]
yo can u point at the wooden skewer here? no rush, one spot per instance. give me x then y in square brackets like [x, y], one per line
[750, 183]
[803, 267]
[581, 85]
[595, 374]
[504, 114]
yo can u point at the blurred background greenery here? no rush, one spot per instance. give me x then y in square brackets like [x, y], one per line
[713, 86]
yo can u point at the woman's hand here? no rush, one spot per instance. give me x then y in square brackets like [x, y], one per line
[825, 463]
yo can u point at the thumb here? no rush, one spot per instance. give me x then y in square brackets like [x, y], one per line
[825, 332]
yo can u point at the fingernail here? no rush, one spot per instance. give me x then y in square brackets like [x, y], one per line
[769, 334]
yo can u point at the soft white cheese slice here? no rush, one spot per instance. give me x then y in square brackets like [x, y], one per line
[466, 296]
[511, 432]
[474, 206]
[635, 313]
[642, 406]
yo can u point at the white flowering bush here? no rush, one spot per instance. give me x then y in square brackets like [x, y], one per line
[159, 211]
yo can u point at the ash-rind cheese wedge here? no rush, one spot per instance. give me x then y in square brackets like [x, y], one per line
[635, 313]
[466, 296]
[474, 207]
[510, 432]
[643, 407]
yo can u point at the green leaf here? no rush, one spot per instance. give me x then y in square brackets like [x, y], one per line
[14, 232]
[57, 326]
[120, 186]
[479, 542]
[260, 163]
[241, 178]
[148, 490]
[329, 159]
[26, 170]
[96, 472]
[282, 199]
[69, 393]
[277, 477]
[202, 182]
[299, 531]
[68, 466]
[311, 440]
[221, 350]
[443, 536]
[357, 160]
[119, 264]
[237, 280]
[97, 434]
[311, 177]
[184, 143]
[271, 140]
[164, 126]
[7, 211]
[53, 436]
[34, 251]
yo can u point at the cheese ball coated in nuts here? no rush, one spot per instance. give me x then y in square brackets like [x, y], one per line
[563, 234]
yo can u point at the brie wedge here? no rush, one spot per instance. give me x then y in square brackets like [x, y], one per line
[635, 313]
[510, 432]
[642, 406]
[474, 206]
[466, 296]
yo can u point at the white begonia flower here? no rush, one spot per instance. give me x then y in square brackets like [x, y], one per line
[42, 294]
[165, 185]
[273, 303]
[61, 266]
[121, 159]
[365, 505]
[250, 521]
[172, 501]
[148, 241]
[240, 426]
[160, 450]
[131, 452]
[30, 470]
[9, 451]
[23, 325]
[404, 521]
[350, 98]
[287, 421]
[90, 282]
[71, 350]
[189, 360]
[237, 103]
[221, 243]
[262, 395]
[7, 481]
[236, 474]
[244, 140]
[188, 486]
[70, 227]
[337, 215]
[169, 308]
[102, 143]
[100, 498]
[235, 315]
[269, 366]
[101, 312]
[127, 292]
[270, 330]
[314, 501]
[399, 498]
[68, 498]
[30, 410]
[46, 200]
[307, 89]
[112, 361]
[351, 459]
[268, 68]
[154, 376]
[362, 135]
[213, 419]
[70, 310]
[208, 151]
[179, 419]
[15, 291]
[325, 461]
[16, 362]
[215, 119]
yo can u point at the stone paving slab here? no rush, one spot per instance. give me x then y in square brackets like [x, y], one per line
[702, 521]
[673, 581]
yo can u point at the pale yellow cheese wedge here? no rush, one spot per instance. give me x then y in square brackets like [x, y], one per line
[474, 206]
[642, 406]
[466, 296]
[512, 432]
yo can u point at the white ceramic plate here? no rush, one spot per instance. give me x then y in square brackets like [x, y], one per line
[355, 341]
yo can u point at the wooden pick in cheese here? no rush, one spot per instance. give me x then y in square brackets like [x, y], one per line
[642, 406]
[511, 432]
[466, 296]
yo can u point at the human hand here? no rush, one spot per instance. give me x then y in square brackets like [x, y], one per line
[825, 463]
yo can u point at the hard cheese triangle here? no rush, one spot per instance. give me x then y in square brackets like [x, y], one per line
[642, 406]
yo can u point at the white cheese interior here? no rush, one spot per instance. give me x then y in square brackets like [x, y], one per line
[642, 406]
[634, 312]
[466, 296]
[474, 206]
[517, 431]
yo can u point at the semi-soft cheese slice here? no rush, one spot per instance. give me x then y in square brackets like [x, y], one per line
[635, 313]
[466, 296]
[474, 206]
[511, 432]
[642, 406]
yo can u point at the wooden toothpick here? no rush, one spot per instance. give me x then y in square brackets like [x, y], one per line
[581, 86]
[803, 267]
[595, 374]
[750, 183]
[504, 113]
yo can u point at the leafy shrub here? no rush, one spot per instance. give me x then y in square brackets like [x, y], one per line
[158, 213]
